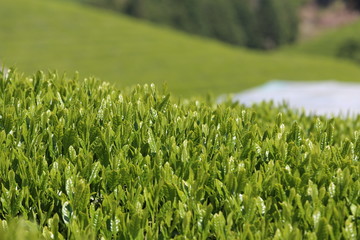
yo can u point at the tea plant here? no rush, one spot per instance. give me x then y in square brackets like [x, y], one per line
[83, 160]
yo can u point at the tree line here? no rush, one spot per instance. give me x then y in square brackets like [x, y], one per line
[263, 24]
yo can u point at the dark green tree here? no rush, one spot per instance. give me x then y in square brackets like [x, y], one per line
[218, 19]
[277, 21]
[246, 17]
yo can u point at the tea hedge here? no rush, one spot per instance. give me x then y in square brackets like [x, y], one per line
[80, 159]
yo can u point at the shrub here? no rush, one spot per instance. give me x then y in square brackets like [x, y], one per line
[81, 159]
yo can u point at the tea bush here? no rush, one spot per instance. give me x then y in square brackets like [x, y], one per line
[84, 160]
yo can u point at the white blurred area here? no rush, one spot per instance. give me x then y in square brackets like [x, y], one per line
[4, 70]
[330, 98]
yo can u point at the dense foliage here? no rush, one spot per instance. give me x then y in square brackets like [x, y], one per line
[83, 160]
[258, 24]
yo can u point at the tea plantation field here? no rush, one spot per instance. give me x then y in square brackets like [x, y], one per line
[81, 159]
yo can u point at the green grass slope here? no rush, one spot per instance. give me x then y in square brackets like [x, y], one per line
[328, 43]
[39, 34]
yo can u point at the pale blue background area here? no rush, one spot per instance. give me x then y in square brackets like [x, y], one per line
[321, 97]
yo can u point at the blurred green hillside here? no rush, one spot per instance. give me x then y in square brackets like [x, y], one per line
[341, 42]
[51, 34]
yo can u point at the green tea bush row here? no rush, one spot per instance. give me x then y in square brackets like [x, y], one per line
[83, 160]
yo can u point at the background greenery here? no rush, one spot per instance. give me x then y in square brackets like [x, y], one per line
[257, 24]
[341, 42]
[263, 24]
[66, 36]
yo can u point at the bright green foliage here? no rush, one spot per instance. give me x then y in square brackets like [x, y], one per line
[83, 160]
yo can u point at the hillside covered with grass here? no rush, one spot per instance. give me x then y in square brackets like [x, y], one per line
[83, 160]
[68, 37]
[330, 43]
